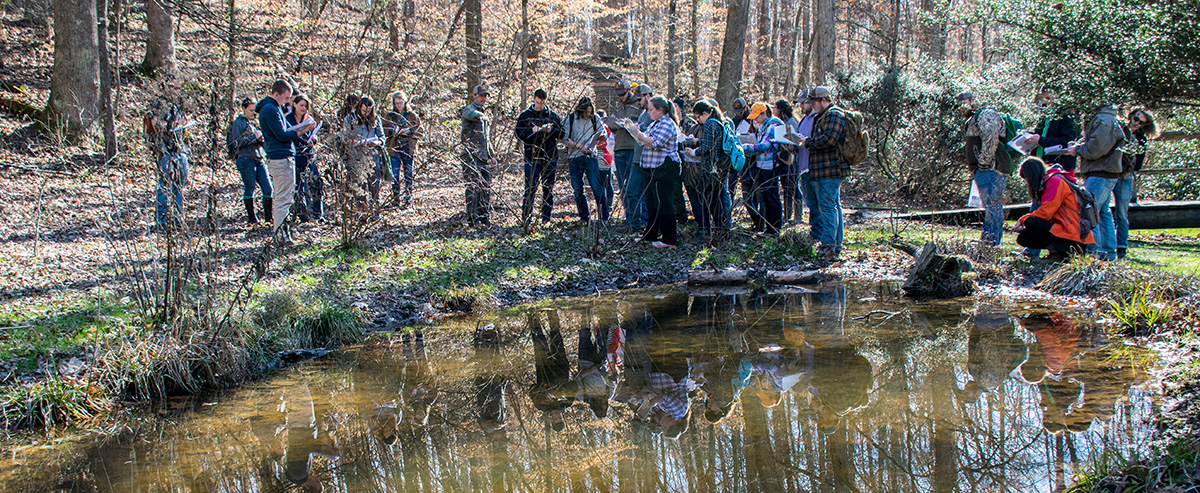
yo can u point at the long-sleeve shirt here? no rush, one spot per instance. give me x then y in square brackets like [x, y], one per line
[664, 140]
[539, 145]
[709, 151]
[475, 132]
[1097, 155]
[277, 139]
[765, 148]
[622, 140]
[1058, 206]
[245, 139]
[988, 126]
[586, 133]
[1060, 131]
[825, 161]
[804, 128]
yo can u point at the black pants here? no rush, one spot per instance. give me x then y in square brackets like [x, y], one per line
[660, 201]
[1037, 236]
[766, 188]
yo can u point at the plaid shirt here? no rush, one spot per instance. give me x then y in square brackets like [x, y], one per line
[664, 138]
[765, 148]
[674, 395]
[710, 152]
[825, 159]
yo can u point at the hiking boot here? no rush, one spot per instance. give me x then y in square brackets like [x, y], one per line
[268, 210]
[1121, 252]
[251, 218]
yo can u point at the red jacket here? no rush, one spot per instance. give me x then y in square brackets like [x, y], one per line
[1059, 206]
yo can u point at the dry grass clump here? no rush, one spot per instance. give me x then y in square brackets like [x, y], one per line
[49, 403]
[797, 241]
[458, 298]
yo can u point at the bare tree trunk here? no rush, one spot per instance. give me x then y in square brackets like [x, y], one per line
[806, 33]
[231, 61]
[524, 50]
[410, 12]
[762, 71]
[106, 99]
[672, 58]
[934, 33]
[824, 36]
[160, 39]
[793, 41]
[75, 77]
[733, 50]
[695, 57]
[393, 26]
[473, 29]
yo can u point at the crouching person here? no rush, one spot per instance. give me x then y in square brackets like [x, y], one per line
[1054, 225]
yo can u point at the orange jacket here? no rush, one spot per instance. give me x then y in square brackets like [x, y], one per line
[1059, 206]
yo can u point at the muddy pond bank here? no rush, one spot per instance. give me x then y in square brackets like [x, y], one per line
[845, 383]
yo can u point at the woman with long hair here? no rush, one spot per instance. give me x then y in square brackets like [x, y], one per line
[584, 131]
[402, 126]
[364, 139]
[660, 167]
[1143, 128]
[309, 185]
[1054, 225]
[712, 166]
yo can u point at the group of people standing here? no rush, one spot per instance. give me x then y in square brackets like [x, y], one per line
[1107, 155]
[666, 154]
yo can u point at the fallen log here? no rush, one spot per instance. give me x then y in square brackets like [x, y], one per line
[934, 275]
[739, 276]
[730, 290]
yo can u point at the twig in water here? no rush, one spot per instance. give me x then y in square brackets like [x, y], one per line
[877, 312]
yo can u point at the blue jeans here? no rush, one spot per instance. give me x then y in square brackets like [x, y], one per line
[539, 171]
[1106, 234]
[808, 188]
[622, 165]
[172, 178]
[589, 167]
[1122, 194]
[634, 197]
[829, 225]
[402, 162]
[253, 171]
[991, 193]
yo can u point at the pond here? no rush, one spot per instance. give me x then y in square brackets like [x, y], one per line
[843, 387]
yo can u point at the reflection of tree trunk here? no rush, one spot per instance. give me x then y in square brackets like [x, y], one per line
[733, 50]
[75, 78]
[160, 39]
[764, 470]
[473, 29]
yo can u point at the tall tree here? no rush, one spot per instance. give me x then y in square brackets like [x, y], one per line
[933, 32]
[106, 97]
[75, 77]
[763, 63]
[160, 38]
[694, 59]
[733, 50]
[672, 56]
[824, 39]
[473, 29]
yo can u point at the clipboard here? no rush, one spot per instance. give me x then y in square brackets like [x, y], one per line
[783, 134]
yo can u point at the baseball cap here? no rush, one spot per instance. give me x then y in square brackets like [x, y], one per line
[758, 109]
[623, 86]
[739, 104]
[964, 96]
[819, 92]
[803, 97]
[644, 89]
[480, 90]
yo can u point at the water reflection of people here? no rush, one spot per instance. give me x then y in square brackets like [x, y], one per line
[993, 351]
[725, 377]
[840, 382]
[308, 434]
[489, 383]
[552, 371]
[594, 377]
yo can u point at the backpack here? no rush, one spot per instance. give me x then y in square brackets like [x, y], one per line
[732, 147]
[1012, 127]
[857, 140]
[1089, 215]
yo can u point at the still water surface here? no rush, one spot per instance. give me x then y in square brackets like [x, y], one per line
[846, 388]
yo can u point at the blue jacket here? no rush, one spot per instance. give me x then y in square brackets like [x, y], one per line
[276, 140]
